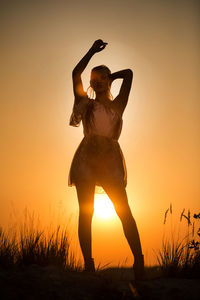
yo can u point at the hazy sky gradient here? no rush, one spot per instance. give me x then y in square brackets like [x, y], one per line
[41, 42]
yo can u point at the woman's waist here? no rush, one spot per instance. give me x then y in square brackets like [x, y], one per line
[92, 131]
[97, 148]
[97, 138]
[98, 144]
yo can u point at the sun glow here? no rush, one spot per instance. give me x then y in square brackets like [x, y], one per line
[103, 207]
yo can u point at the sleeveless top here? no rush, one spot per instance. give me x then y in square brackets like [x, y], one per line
[102, 126]
[97, 118]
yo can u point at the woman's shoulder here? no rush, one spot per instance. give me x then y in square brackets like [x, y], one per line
[118, 105]
[79, 110]
[117, 109]
[82, 99]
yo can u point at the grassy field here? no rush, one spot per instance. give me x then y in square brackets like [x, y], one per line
[37, 263]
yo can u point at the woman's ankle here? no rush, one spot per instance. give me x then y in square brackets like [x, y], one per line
[89, 265]
[138, 267]
[139, 258]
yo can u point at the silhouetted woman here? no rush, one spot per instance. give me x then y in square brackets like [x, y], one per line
[99, 160]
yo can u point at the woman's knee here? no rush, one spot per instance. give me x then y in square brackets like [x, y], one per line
[118, 196]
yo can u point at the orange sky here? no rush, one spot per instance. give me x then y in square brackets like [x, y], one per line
[40, 45]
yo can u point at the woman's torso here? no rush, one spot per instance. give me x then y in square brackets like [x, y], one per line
[101, 119]
[99, 151]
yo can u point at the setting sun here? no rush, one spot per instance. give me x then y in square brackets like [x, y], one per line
[103, 207]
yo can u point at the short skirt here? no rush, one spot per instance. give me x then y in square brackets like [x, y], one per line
[98, 159]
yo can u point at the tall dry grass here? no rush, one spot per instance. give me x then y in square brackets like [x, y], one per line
[29, 244]
[180, 256]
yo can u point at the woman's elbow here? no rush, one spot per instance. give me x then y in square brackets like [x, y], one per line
[130, 72]
[76, 72]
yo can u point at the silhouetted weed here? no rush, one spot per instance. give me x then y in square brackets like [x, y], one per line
[181, 257]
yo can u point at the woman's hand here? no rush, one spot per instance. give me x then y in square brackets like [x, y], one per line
[98, 46]
[111, 77]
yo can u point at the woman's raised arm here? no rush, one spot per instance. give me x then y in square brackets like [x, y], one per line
[79, 92]
[122, 98]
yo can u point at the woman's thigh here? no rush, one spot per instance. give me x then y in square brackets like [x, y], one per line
[116, 191]
[85, 192]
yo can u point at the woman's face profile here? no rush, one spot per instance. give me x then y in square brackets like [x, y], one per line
[100, 81]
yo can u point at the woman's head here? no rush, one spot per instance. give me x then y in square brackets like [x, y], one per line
[100, 81]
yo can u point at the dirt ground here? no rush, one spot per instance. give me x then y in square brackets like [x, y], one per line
[35, 282]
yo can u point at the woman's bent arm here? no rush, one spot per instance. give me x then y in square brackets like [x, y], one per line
[122, 98]
[121, 74]
[79, 92]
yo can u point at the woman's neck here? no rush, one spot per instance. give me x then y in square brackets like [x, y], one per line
[102, 97]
